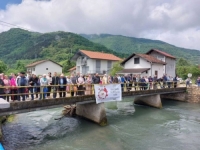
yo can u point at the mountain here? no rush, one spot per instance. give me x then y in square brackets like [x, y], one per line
[17, 44]
[130, 45]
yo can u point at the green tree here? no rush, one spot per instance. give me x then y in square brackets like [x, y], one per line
[116, 68]
[183, 62]
[20, 66]
[3, 67]
[67, 65]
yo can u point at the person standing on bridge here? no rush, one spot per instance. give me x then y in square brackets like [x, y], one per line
[1, 87]
[7, 89]
[49, 78]
[198, 82]
[55, 82]
[62, 86]
[22, 83]
[43, 86]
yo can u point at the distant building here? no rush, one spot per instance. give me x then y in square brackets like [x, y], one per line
[154, 62]
[89, 62]
[170, 67]
[72, 70]
[143, 64]
[43, 67]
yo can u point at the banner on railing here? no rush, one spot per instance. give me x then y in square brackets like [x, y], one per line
[107, 92]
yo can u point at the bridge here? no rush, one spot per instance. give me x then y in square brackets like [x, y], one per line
[86, 106]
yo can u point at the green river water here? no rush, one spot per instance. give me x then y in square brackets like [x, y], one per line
[131, 127]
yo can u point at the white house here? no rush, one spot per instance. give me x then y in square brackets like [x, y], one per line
[43, 67]
[89, 62]
[170, 67]
[143, 64]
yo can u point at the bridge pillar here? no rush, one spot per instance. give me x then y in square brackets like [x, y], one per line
[152, 100]
[92, 111]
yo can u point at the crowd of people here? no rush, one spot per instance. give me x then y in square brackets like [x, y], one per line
[29, 86]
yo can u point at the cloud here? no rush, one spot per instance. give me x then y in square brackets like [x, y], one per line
[172, 21]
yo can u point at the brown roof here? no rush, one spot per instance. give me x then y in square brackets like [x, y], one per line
[146, 57]
[136, 70]
[41, 61]
[151, 58]
[161, 52]
[100, 55]
[74, 68]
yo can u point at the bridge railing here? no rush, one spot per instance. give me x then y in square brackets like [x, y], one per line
[15, 93]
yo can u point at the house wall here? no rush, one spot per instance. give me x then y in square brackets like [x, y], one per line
[159, 68]
[170, 66]
[159, 57]
[145, 64]
[42, 68]
[91, 63]
[130, 63]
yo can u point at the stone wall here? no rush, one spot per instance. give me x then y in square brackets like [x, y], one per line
[193, 94]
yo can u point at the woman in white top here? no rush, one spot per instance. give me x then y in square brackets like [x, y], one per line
[43, 83]
[49, 78]
[80, 83]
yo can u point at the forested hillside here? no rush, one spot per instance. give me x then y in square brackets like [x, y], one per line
[129, 45]
[18, 44]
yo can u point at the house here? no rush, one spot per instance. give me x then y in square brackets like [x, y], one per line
[89, 62]
[170, 67]
[143, 64]
[43, 67]
[72, 70]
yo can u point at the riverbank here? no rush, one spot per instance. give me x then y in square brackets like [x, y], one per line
[1, 135]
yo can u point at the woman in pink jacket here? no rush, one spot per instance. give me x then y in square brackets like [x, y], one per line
[13, 84]
[7, 86]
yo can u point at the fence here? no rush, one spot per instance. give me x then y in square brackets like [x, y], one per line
[77, 89]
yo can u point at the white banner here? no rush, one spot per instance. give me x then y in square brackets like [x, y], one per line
[107, 92]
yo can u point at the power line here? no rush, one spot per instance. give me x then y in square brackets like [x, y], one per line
[11, 24]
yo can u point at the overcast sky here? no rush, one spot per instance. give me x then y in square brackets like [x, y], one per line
[174, 21]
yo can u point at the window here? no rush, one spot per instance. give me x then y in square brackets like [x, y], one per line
[136, 60]
[156, 72]
[109, 64]
[98, 66]
[87, 69]
[46, 68]
[33, 69]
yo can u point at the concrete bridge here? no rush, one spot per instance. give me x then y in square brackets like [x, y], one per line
[86, 106]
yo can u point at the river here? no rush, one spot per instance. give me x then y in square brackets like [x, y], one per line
[131, 127]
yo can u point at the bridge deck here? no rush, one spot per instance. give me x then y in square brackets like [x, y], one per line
[27, 106]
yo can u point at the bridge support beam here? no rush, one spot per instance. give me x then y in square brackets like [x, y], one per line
[176, 96]
[152, 100]
[92, 111]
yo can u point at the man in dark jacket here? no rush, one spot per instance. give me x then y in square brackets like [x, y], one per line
[62, 85]
[96, 79]
[22, 83]
[55, 82]
[31, 84]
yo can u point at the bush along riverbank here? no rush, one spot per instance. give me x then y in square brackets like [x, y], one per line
[2, 119]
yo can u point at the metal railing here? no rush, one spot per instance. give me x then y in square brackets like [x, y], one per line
[76, 89]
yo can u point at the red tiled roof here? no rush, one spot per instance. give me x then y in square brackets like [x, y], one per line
[150, 58]
[41, 61]
[161, 52]
[74, 68]
[100, 55]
